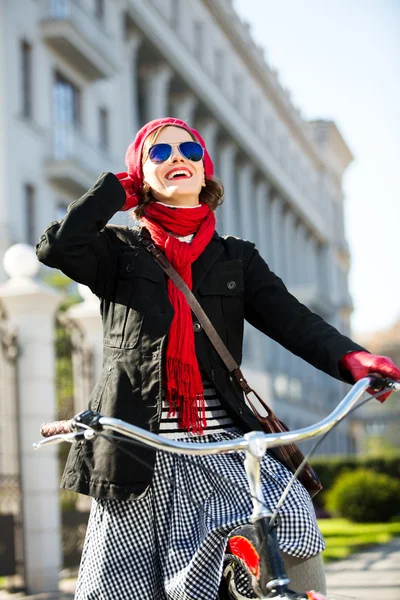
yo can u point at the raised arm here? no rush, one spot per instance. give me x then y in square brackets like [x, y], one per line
[79, 245]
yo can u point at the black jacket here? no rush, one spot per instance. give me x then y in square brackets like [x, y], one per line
[232, 283]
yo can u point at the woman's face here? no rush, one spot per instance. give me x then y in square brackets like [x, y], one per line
[182, 189]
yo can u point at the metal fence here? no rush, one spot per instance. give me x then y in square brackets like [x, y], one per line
[74, 382]
[11, 525]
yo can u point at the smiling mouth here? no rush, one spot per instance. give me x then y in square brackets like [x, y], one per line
[179, 174]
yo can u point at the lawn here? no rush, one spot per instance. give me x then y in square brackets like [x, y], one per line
[344, 537]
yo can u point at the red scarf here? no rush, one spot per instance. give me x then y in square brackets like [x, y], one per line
[184, 387]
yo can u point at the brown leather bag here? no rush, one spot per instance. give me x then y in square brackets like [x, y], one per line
[289, 455]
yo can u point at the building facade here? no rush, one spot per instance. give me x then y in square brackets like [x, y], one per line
[79, 77]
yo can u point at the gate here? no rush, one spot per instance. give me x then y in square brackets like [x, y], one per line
[11, 533]
[74, 382]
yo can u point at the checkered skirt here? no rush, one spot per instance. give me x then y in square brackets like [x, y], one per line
[170, 543]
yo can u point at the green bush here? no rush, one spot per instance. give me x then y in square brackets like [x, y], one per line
[329, 468]
[364, 496]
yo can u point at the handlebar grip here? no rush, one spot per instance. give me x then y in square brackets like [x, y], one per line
[54, 428]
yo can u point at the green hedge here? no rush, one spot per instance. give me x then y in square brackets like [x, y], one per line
[329, 468]
[364, 496]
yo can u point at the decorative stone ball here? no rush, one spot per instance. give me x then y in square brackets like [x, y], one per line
[20, 261]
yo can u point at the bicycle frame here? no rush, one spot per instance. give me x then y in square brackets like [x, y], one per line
[273, 581]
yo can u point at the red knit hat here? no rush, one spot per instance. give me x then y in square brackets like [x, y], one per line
[132, 181]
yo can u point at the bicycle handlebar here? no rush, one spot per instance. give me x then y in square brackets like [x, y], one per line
[88, 423]
[254, 443]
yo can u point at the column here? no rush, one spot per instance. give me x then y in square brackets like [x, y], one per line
[277, 354]
[289, 226]
[208, 130]
[183, 107]
[4, 235]
[314, 261]
[298, 261]
[246, 204]
[262, 190]
[86, 315]
[228, 214]
[283, 243]
[31, 308]
[129, 95]
[156, 82]
[276, 236]
[303, 251]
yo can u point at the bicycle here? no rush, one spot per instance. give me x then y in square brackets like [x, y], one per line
[267, 576]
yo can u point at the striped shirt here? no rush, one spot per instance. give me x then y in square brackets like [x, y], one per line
[217, 418]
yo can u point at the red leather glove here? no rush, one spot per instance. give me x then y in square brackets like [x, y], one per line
[360, 364]
[127, 184]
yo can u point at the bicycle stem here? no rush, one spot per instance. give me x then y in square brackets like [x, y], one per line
[272, 570]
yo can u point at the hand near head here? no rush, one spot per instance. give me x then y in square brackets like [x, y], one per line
[127, 184]
[361, 364]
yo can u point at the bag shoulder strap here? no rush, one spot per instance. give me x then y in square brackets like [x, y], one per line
[208, 327]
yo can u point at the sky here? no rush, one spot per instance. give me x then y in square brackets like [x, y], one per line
[340, 60]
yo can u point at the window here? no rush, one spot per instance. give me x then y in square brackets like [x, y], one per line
[103, 128]
[67, 101]
[26, 83]
[29, 201]
[67, 116]
[99, 9]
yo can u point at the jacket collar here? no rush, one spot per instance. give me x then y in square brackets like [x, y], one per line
[203, 263]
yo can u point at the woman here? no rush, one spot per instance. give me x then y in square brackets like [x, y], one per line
[158, 525]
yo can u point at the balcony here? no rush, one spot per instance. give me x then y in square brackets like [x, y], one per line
[72, 162]
[78, 38]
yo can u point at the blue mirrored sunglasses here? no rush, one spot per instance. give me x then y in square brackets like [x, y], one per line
[159, 153]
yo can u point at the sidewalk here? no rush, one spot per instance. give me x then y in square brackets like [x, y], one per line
[370, 575]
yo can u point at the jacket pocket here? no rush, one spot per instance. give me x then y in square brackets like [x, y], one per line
[136, 282]
[222, 298]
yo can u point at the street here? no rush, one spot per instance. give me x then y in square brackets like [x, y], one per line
[370, 575]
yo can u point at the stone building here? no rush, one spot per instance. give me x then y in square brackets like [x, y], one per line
[78, 78]
[379, 428]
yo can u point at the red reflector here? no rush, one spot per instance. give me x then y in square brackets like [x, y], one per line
[244, 549]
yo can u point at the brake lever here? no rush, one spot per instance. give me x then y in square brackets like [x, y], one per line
[60, 437]
[381, 383]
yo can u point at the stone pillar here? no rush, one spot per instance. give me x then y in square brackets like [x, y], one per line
[290, 258]
[86, 315]
[314, 251]
[262, 191]
[229, 216]
[298, 261]
[278, 354]
[304, 256]
[246, 203]
[129, 96]
[262, 217]
[4, 239]
[183, 107]
[276, 236]
[156, 82]
[208, 130]
[31, 307]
